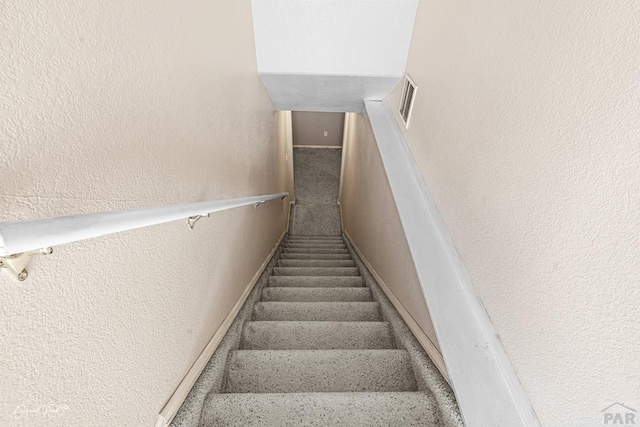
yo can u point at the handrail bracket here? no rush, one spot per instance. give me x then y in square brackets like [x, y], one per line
[191, 221]
[17, 263]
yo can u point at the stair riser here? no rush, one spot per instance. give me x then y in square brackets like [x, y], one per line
[300, 371]
[315, 256]
[314, 251]
[317, 311]
[314, 237]
[315, 263]
[316, 294]
[315, 271]
[316, 336]
[324, 247]
[417, 409]
[319, 242]
[315, 243]
[316, 282]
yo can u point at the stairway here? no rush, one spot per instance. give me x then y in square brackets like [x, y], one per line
[316, 351]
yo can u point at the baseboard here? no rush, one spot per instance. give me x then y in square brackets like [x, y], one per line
[318, 146]
[426, 343]
[178, 397]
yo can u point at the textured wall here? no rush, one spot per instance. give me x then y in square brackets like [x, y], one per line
[309, 128]
[109, 105]
[526, 127]
[371, 220]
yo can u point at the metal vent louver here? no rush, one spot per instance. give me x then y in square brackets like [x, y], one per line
[406, 101]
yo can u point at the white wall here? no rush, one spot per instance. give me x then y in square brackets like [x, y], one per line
[370, 219]
[309, 128]
[285, 135]
[526, 128]
[111, 105]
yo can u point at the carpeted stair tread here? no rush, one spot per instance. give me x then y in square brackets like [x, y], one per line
[319, 242]
[320, 294]
[315, 250]
[304, 237]
[316, 281]
[316, 245]
[311, 241]
[316, 271]
[312, 236]
[288, 335]
[307, 371]
[381, 409]
[316, 263]
[318, 311]
[315, 256]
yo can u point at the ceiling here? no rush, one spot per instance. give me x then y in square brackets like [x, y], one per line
[330, 55]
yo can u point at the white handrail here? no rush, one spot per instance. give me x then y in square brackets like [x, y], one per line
[23, 236]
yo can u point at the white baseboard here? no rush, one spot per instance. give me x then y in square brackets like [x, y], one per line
[423, 339]
[176, 400]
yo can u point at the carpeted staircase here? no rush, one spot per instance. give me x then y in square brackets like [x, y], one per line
[317, 342]
[317, 351]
